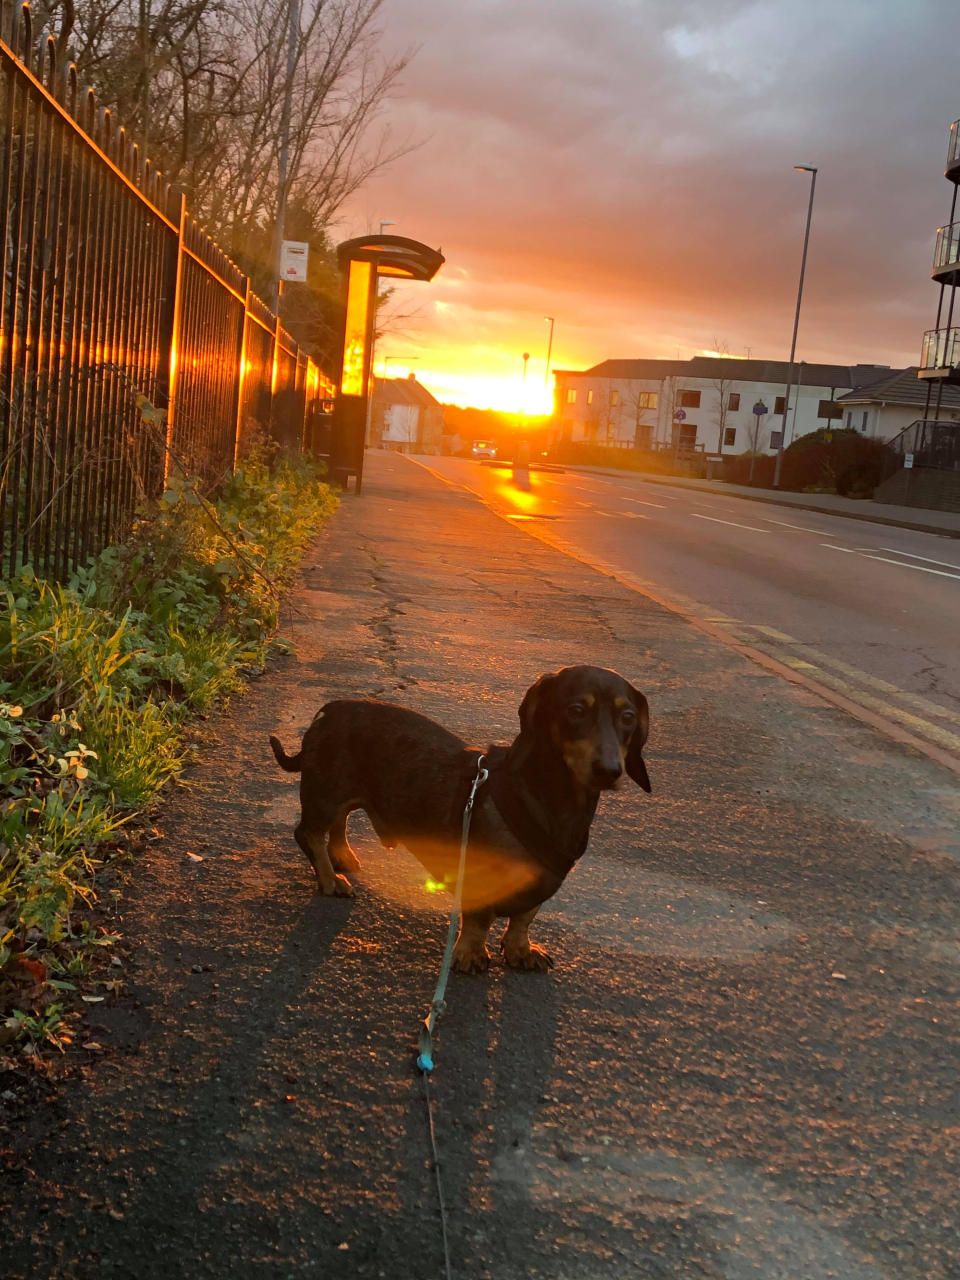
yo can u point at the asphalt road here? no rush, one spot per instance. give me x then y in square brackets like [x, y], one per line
[869, 611]
[744, 1065]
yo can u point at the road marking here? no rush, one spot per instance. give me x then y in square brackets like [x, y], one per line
[783, 524]
[821, 659]
[733, 524]
[641, 502]
[946, 563]
[920, 568]
[774, 634]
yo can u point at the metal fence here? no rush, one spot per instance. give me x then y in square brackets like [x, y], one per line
[931, 443]
[129, 342]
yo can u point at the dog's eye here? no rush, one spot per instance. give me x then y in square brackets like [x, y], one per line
[628, 716]
[576, 710]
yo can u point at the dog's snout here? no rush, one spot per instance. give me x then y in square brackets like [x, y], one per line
[606, 775]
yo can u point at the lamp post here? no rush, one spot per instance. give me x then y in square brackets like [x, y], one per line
[811, 169]
[546, 376]
[405, 359]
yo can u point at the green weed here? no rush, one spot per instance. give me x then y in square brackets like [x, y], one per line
[98, 677]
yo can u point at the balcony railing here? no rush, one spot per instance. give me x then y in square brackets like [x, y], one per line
[946, 256]
[940, 355]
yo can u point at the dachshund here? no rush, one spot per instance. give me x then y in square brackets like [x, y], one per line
[582, 731]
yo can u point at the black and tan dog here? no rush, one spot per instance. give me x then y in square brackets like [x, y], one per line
[581, 730]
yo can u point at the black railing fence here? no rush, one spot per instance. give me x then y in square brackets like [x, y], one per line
[930, 443]
[129, 342]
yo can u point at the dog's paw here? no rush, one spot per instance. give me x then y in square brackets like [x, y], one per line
[532, 958]
[340, 888]
[471, 959]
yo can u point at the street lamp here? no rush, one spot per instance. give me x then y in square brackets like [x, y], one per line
[405, 359]
[811, 169]
[546, 376]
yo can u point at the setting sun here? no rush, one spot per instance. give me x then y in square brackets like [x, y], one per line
[479, 391]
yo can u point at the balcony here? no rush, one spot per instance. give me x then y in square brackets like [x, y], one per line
[952, 170]
[946, 257]
[940, 356]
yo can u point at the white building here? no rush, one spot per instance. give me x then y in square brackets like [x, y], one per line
[883, 408]
[708, 405]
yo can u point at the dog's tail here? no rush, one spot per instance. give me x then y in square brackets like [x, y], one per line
[292, 764]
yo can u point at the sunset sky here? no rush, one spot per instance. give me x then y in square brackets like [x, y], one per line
[626, 166]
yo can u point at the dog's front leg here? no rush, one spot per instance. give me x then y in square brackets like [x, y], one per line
[518, 951]
[470, 954]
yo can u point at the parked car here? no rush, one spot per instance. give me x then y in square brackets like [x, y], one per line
[483, 449]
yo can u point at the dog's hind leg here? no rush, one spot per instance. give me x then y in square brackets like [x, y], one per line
[518, 951]
[313, 841]
[338, 846]
[470, 955]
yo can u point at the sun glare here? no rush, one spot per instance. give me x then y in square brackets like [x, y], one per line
[507, 395]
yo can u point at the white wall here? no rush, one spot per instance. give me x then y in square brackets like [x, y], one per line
[400, 423]
[591, 421]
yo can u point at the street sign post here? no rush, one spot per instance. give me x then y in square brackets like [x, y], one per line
[294, 255]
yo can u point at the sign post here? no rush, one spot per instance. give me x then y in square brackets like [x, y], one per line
[759, 409]
[294, 256]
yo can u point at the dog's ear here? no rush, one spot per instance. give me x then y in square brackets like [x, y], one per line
[636, 766]
[534, 701]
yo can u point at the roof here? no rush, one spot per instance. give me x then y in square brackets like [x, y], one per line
[902, 386]
[405, 391]
[713, 368]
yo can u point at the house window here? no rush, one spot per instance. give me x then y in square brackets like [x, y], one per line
[690, 399]
[849, 419]
[647, 399]
[863, 425]
[571, 395]
[729, 436]
[614, 398]
[688, 434]
[590, 396]
[779, 405]
[829, 409]
[734, 400]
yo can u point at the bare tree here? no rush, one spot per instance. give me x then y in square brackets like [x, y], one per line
[640, 405]
[202, 84]
[723, 385]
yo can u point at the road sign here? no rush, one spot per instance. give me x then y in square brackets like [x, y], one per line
[760, 409]
[679, 415]
[293, 260]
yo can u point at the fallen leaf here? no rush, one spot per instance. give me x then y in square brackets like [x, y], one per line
[195, 857]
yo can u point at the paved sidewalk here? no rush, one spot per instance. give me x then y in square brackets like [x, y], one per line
[922, 518]
[743, 1067]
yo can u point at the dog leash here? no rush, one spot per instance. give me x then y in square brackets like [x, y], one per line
[437, 1005]
[425, 1058]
